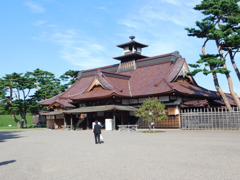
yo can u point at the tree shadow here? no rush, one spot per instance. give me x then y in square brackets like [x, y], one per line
[7, 162]
[153, 131]
[8, 135]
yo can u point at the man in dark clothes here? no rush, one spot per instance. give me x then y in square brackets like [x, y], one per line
[97, 132]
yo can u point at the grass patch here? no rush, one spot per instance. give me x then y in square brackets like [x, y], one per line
[6, 121]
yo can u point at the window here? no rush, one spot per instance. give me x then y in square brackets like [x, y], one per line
[164, 98]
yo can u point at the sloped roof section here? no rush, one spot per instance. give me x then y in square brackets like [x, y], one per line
[78, 87]
[63, 102]
[148, 80]
[175, 70]
[198, 103]
[115, 84]
[190, 89]
[100, 108]
[230, 99]
[92, 109]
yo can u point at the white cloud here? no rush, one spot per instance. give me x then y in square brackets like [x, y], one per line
[175, 2]
[161, 24]
[192, 3]
[81, 57]
[156, 13]
[102, 8]
[35, 8]
[129, 23]
[52, 25]
[39, 23]
[182, 3]
[77, 48]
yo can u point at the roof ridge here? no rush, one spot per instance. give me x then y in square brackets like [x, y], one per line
[117, 74]
[167, 83]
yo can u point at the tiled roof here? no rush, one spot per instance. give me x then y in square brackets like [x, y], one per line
[198, 103]
[190, 89]
[117, 86]
[230, 99]
[64, 102]
[153, 76]
[78, 87]
[147, 80]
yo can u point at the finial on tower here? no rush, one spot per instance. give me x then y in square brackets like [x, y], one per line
[132, 37]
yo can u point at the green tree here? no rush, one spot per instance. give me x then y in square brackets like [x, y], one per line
[16, 88]
[221, 25]
[70, 77]
[151, 110]
[46, 84]
[15, 91]
[3, 109]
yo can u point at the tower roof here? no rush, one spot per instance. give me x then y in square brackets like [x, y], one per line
[129, 57]
[131, 51]
[132, 42]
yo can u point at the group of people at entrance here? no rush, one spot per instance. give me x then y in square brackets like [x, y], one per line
[97, 132]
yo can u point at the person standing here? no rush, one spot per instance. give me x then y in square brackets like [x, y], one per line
[97, 132]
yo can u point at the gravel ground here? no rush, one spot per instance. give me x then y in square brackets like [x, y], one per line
[168, 154]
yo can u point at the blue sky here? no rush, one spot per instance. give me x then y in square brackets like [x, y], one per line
[58, 35]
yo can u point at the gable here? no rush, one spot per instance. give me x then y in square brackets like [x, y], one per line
[96, 84]
[183, 77]
[56, 106]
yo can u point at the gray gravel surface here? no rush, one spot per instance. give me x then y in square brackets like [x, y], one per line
[168, 154]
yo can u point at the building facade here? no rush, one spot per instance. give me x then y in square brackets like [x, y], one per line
[116, 91]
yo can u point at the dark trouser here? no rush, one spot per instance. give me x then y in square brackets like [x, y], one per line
[97, 138]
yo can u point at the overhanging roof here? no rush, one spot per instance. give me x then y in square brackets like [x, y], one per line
[131, 56]
[92, 109]
[52, 113]
[100, 108]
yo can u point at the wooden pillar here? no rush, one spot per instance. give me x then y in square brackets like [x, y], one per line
[114, 119]
[122, 115]
[87, 122]
[71, 121]
[64, 119]
[179, 117]
[54, 124]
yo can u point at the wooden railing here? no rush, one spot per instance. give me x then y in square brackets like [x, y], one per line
[210, 119]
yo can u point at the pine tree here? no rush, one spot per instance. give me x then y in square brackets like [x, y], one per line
[70, 77]
[220, 25]
[15, 91]
[46, 84]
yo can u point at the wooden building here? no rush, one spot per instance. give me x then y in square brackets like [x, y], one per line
[115, 91]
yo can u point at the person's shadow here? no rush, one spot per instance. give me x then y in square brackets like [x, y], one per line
[7, 162]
